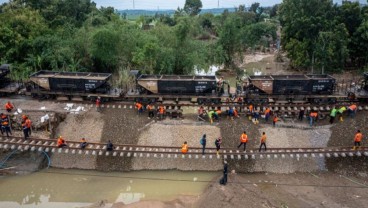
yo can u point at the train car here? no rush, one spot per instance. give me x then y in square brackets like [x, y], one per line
[70, 83]
[178, 84]
[293, 84]
[7, 86]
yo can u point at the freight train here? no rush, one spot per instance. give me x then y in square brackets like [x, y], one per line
[187, 89]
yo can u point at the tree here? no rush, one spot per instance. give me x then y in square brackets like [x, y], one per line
[193, 7]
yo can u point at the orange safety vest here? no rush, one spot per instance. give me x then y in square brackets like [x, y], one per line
[149, 107]
[267, 111]
[263, 139]
[161, 110]
[184, 148]
[138, 106]
[275, 119]
[251, 108]
[60, 141]
[353, 107]
[314, 115]
[358, 137]
[28, 123]
[8, 106]
[243, 138]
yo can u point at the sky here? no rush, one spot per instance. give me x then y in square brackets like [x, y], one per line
[174, 4]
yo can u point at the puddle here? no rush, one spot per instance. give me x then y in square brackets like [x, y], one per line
[76, 188]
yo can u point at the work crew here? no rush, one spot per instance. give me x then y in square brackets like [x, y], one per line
[184, 148]
[109, 146]
[301, 114]
[98, 104]
[150, 111]
[263, 142]
[83, 143]
[312, 117]
[61, 142]
[218, 142]
[357, 139]
[267, 114]
[139, 107]
[352, 110]
[243, 140]
[275, 120]
[340, 112]
[203, 143]
[333, 115]
[5, 125]
[9, 107]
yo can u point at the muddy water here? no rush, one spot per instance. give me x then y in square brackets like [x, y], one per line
[76, 188]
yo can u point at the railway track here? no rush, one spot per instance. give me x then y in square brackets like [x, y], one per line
[139, 151]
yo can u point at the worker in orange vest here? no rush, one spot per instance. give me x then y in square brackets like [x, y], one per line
[267, 114]
[243, 140]
[26, 123]
[139, 107]
[263, 142]
[98, 104]
[9, 107]
[83, 143]
[352, 110]
[184, 148]
[161, 112]
[357, 139]
[275, 120]
[5, 125]
[149, 107]
[312, 118]
[61, 142]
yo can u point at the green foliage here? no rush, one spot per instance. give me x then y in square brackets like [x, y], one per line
[193, 7]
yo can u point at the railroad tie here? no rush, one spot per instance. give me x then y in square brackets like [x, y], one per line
[343, 154]
[176, 155]
[328, 155]
[350, 154]
[328, 108]
[282, 155]
[80, 152]
[73, 151]
[40, 149]
[103, 105]
[12, 147]
[59, 150]
[321, 155]
[141, 155]
[366, 107]
[275, 156]
[196, 157]
[292, 155]
[66, 151]
[183, 156]
[108, 106]
[189, 156]
[321, 108]
[119, 106]
[129, 154]
[121, 154]
[253, 157]
[239, 157]
[336, 155]
[130, 107]
[246, 156]
[19, 148]
[358, 154]
[115, 154]
[360, 108]
[155, 155]
[135, 154]
[225, 157]
[162, 155]
[306, 155]
[366, 154]
[94, 152]
[107, 153]
[52, 150]
[87, 152]
[33, 149]
[268, 156]
[125, 106]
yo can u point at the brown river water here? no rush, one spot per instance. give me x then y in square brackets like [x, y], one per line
[77, 188]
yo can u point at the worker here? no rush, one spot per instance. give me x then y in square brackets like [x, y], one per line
[223, 180]
[275, 120]
[243, 140]
[357, 139]
[25, 127]
[201, 111]
[5, 125]
[98, 104]
[255, 116]
[161, 112]
[139, 107]
[9, 107]
[301, 114]
[333, 114]
[267, 114]
[149, 107]
[203, 143]
[61, 142]
[352, 110]
[251, 108]
[184, 148]
[29, 126]
[109, 146]
[231, 113]
[263, 142]
[83, 143]
[218, 142]
[340, 112]
[236, 113]
[312, 118]
[210, 116]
